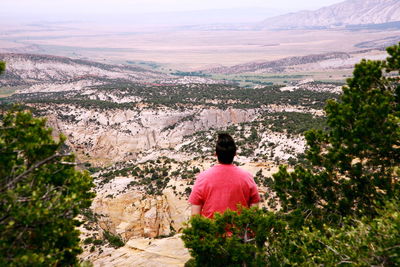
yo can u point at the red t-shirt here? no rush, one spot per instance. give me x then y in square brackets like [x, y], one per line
[223, 187]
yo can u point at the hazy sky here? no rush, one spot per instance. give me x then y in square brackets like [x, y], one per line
[151, 12]
[145, 6]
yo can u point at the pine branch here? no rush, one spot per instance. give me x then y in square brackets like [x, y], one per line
[32, 168]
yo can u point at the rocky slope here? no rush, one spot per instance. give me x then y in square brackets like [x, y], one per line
[350, 12]
[54, 73]
[142, 252]
[277, 66]
[25, 69]
[115, 135]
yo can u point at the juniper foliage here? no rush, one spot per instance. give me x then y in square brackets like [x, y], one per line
[2, 67]
[41, 194]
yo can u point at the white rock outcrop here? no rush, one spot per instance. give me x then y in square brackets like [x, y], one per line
[135, 214]
[115, 135]
[143, 252]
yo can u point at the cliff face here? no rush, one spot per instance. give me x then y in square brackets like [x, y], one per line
[115, 135]
[135, 214]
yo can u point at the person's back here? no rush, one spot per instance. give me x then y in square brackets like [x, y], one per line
[223, 186]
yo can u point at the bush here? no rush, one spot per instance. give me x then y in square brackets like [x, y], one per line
[360, 242]
[2, 66]
[273, 239]
[114, 240]
[231, 239]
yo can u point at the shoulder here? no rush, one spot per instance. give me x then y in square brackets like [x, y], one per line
[242, 172]
[204, 175]
[209, 172]
[246, 176]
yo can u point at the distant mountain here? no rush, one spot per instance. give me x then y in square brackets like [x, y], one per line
[346, 14]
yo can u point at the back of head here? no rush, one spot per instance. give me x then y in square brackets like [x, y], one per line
[225, 148]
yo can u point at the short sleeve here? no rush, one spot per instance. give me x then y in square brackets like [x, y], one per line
[196, 196]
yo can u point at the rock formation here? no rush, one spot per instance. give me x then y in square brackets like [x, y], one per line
[115, 135]
[135, 214]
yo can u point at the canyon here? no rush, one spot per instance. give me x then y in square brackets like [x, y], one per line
[145, 135]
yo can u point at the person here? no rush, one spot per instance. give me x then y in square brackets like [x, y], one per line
[223, 186]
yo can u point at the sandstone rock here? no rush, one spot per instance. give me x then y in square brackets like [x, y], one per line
[144, 252]
[134, 214]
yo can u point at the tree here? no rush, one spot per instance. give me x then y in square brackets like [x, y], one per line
[2, 67]
[355, 164]
[357, 242]
[41, 194]
[272, 240]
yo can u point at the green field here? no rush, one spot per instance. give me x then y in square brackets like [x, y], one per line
[251, 79]
[8, 91]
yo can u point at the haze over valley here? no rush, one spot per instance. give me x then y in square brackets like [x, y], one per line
[141, 98]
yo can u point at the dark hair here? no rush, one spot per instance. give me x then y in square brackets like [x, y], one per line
[225, 148]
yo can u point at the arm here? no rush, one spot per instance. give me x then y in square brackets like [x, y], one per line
[254, 200]
[196, 209]
[254, 204]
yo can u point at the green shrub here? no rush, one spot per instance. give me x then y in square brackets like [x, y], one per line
[114, 240]
[2, 66]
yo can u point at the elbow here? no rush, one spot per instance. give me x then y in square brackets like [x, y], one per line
[195, 210]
